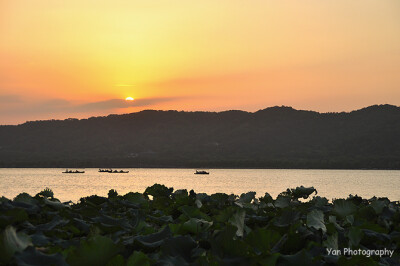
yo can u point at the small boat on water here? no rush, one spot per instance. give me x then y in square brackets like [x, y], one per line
[113, 171]
[105, 170]
[201, 172]
[119, 172]
[73, 172]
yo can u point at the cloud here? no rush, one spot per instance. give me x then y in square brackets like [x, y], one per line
[57, 106]
[25, 110]
[119, 103]
[10, 98]
[53, 105]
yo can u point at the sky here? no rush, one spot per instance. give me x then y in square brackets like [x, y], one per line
[62, 59]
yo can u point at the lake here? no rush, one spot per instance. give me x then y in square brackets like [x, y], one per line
[329, 183]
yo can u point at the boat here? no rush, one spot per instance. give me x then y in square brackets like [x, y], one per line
[113, 171]
[105, 170]
[73, 172]
[201, 172]
[119, 172]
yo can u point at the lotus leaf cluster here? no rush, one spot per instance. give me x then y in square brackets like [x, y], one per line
[166, 227]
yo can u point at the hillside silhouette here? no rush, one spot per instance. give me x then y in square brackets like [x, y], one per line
[276, 137]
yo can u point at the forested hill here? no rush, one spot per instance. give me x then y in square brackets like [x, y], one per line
[276, 137]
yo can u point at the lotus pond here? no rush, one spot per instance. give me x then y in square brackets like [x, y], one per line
[166, 227]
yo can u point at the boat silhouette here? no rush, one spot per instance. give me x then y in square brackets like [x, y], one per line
[73, 172]
[201, 172]
[113, 171]
[119, 172]
[105, 170]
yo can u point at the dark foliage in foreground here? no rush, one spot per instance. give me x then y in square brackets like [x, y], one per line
[165, 227]
[277, 137]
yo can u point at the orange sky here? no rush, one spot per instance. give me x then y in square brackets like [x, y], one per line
[61, 59]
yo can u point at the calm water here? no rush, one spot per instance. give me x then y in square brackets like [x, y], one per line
[329, 183]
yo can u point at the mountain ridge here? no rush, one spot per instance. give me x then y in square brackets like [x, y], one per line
[267, 109]
[274, 137]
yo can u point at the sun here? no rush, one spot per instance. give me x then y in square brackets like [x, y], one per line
[129, 99]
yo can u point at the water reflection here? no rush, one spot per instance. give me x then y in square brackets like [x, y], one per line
[329, 183]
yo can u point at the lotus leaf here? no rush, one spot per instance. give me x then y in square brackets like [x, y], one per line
[117, 261]
[158, 190]
[12, 242]
[26, 198]
[163, 227]
[344, 208]
[33, 257]
[315, 219]
[332, 242]
[301, 258]
[287, 218]
[302, 192]
[378, 206]
[247, 197]
[196, 226]
[355, 235]
[153, 241]
[138, 258]
[282, 202]
[262, 240]
[97, 250]
[179, 246]
[238, 220]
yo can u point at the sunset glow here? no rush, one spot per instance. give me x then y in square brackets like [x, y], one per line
[207, 55]
[129, 99]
